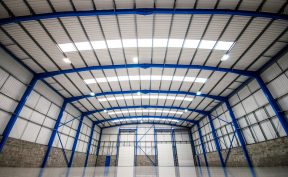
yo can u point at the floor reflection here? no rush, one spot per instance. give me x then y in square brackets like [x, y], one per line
[144, 172]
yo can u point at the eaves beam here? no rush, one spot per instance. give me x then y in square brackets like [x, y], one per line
[143, 11]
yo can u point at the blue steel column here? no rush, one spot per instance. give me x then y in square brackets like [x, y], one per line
[98, 147]
[17, 111]
[216, 140]
[192, 145]
[239, 134]
[155, 147]
[202, 144]
[117, 146]
[273, 103]
[54, 132]
[89, 144]
[76, 140]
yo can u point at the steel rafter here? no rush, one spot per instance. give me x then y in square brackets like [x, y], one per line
[143, 11]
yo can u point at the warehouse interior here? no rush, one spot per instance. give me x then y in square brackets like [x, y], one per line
[168, 88]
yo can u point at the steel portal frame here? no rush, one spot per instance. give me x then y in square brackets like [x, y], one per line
[42, 76]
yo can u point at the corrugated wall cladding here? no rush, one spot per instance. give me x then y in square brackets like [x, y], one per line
[254, 114]
[40, 112]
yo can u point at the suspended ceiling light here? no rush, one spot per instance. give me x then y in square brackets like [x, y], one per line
[156, 43]
[149, 96]
[145, 111]
[135, 60]
[92, 94]
[145, 119]
[67, 60]
[198, 93]
[225, 57]
[145, 78]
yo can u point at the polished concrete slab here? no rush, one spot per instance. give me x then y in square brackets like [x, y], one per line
[145, 172]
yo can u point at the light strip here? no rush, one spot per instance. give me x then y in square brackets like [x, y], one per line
[145, 78]
[144, 43]
[145, 111]
[145, 119]
[151, 96]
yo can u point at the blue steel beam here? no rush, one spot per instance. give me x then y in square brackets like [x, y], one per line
[218, 148]
[202, 144]
[76, 98]
[146, 66]
[140, 117]
[89, 145]
[143, 11]
[53, 135]
[17, 111]
[146, 107]
[76, 140]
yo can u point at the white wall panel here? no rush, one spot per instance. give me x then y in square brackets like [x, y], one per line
[184, 154]
[126, 156]
[165, 154]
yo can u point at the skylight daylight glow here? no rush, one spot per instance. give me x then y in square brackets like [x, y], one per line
[145, 78]
[151, 96]
[145, 119]
[144, 111]
[156, 43]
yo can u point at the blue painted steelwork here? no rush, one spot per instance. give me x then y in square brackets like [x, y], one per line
[76, 140]
[53, 135]
[214, 133]
[146, 66]
[77, 98]
[68, 121]
[107, 160]
[17, 111]
[117, 146]
[89, 144]
[98, 147]
[155, 147]
[141, 117]
[174, 147]
[136, 147]
[240, 137]
[273, 103]
[146, 107]
[62, 148]
[143, 11]
[202, 144]
[230, 147]
[149, 123]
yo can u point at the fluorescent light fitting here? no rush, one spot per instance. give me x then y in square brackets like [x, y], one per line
[225, 57]
[145, 78]
[67, 60]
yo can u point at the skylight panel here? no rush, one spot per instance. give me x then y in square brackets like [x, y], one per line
[175, 43]
[144, 42]
[160, 42]
[206, 44]
[146, 78]
[191, 43]
[83, 46]
[144, 111]
[68, 47]
[129, 43]
[112, 44]
[98, 44]
[145, 119]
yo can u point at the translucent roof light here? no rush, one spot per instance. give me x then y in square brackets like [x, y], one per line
[156, 43]
[146, 78]
[145, 119]
[144, 111]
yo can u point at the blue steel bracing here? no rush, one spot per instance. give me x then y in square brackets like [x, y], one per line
[143, 11]
[98, 147]
[147, 107]
[136, 146]
[202, 144]
[117, 146]
[155, 146]
[145, 66]
[53, 134]
[89, 145]
[62, 148]
[77, 98]
[218, 148]
[17, 111]
[230, 147]
[76, 140]
[273, 103]
[240, 137]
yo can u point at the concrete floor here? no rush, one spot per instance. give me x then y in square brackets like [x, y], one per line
[143, 172]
